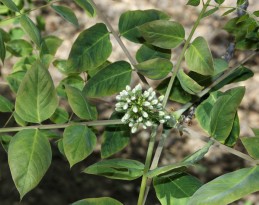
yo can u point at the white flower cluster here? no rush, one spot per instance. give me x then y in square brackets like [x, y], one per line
[140, 108]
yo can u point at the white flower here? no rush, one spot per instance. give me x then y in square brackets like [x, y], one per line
[161, 98]
[125, 106]
[135, 109]
[146, 103]
[145, 115]
[134, 129]
[128, 88]
[148, 123]
[161, 113]
[155, 101]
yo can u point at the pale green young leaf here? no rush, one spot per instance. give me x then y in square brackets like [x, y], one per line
[66, 13]
[251, 144]
[97, 201]
[193, 2]
[16, 33]
[176, 189]
[19, 120]
[60, 116]
[30, 28]
[130, 20]
[14, 80]
[24, 64]
[115, 137]
[111, 80]
[227, 188]
[210, 12]
[90, 50]
[188, 84]
[19, 48]
[29, 157]
[50, 45]
[2, 48]
[87, 6]
[80, 104]
[163, 33]
[256, 131]
[79, 142]
[198, 57]
[147, 52]
[223, 113]
[155, 69]
[36, 98]
[5, 105]
[123, 169]
[234, 134]
[11, 5]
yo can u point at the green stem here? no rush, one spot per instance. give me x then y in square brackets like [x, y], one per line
[178, 64]
[147, 165]
[58, 126]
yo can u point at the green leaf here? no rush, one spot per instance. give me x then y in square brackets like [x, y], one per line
[41, 23]
[124, 169]
[193, 2]
[29, 157]
[24, 64]
[11, 5]
[177, 93]
[210, 12]
[130, 20]
[2, 48]
[240, 2]
[91, 49]
[111, 80]
[115, 138]
[14, 80]
[147, 52]
[50, 45]
[223, 113]
[79, 142]
[256, 132]
[198, 57]
[163, 33]
[5, 141]
[176, 189]
[66, 13]
[155, 69]
[87, 6]
[72, 81]
[63, 67]
[256, 13]
[61, 147]
[16, 33]
[228, 11]
[5, 105]
[36, 98]
[5, 35]
[227, 188]
[98, 201]
[203, 111]
[219, 1]
[188, 84]
[91, 73]
[80, 104]
[234, 134]
[30, 28]
[251, 144]
[60, 116]
[19, 120]
[19, 47]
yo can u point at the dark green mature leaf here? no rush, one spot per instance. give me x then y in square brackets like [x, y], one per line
[2, 48]
[91, 49]
[19, 120]
[80, 104]
[256, 13]
[79, 142]
[87, 6]
[177, 93]
[130, 20]
[60, 116]
[5, 35]
[155, 69]
[115, 138]
[124, 169]
[219, 1]
[24, 64]
[234, 134]
[198, 57]
[203, 111]
[188, 84]
[11, 5]
[30, 28]
[147, 52]
[29, 157]
[193, 2]
[163, 33]
[227, 188]
[228, 11]
[251, 144]
[91, 73]
[256, 132]
[111, 80]
[5, 105]
[5, 141]
[223, 113]
[14, 80]
[63, 67]
[50, 45]
[176, 189]
[74, 81]
[19, 47]
[210, 12]
[36, 98]
[66, 13]
[98, 201]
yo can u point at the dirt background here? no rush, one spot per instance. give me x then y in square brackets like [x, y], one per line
[61, 185]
